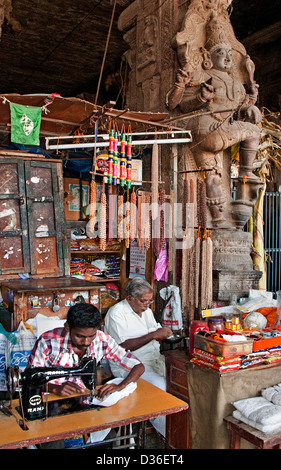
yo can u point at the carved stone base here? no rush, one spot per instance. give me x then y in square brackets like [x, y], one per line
[233, 271]
[227, 283]
[231, 250]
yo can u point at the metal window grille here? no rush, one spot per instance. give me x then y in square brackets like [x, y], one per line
[272, 239]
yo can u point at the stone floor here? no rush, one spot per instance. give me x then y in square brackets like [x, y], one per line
[154, 441]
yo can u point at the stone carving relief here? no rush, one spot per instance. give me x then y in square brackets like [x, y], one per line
[148, 29]
[147, 46]
[215, 87]
[147, 68]
[215, 95]
[216, 84]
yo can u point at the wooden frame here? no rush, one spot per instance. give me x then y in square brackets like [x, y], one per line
[72, 202]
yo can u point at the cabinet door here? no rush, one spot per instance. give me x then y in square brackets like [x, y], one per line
[14, 243]
[45, 218]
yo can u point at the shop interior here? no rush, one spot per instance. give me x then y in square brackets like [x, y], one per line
[109, 180]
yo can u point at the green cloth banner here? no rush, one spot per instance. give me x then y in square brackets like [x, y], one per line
[25, 124]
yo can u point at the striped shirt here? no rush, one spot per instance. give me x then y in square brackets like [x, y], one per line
[53, 348]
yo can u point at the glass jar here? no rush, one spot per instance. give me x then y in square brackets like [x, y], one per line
[216, 323]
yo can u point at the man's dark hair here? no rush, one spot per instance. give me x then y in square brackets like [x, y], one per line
[83, 315]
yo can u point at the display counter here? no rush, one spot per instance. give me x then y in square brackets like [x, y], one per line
[211, 395]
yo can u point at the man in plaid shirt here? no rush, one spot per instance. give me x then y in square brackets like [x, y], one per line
[80, 337]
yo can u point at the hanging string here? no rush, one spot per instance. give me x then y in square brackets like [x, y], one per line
[102, 244]
[133, 215]
[105, 51]
[93, 187]
[154, 178]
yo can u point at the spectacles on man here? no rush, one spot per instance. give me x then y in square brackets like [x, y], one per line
[143, 301]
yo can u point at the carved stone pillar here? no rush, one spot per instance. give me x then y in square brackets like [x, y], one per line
[154, 29]
[6, 12]
[2, 13]
[232, 264]
[148, 27]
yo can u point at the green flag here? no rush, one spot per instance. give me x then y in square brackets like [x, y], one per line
[25, 124]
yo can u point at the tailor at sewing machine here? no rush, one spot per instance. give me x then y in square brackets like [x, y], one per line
[65, 358]
[30, 385]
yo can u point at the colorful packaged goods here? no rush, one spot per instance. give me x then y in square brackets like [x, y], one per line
[211, 361]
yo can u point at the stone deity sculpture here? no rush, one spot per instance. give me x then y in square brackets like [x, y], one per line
[224, 112]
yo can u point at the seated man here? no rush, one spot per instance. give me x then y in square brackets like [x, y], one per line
[132, 324]
[81, 337]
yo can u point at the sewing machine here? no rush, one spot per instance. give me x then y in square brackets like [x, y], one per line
[30, 384]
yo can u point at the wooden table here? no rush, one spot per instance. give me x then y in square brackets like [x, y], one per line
[146, 402]
[239, 430]
[211, 395]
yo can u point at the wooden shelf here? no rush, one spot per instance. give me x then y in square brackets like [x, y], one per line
[109, 279]
[98, 252]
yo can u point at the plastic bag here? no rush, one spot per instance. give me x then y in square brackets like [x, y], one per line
[3, 346]
[172, 316]
[18, 354]
[161, 267]
[5, 337]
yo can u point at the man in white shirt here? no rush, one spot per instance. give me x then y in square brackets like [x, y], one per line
[133, 326]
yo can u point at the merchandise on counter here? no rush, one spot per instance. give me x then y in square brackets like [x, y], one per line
[266, 338]
[91, 272]
[195, 327]
[255, 320]
[273, 394]
[215, 323]
[110, 295]
[106, 266]
[233, 322]
[270, 313]
[247, 340]
[112, 269]
[211, 361]
[92, 244]
[89, 244]
[259, 413]
[226, 345]
[255, 304]
[77, 267]
[75, 245]
[254, 359]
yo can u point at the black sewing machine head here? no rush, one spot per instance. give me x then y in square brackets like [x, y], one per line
[31, 381]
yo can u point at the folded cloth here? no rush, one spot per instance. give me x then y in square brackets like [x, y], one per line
[115, 396]
[259, 410]
[266, 428]
[273, 394]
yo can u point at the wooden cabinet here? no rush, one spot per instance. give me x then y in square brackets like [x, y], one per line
[27, 297]
[32, 225]
[177, 425]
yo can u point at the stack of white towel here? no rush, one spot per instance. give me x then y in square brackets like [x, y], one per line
[263, 412]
